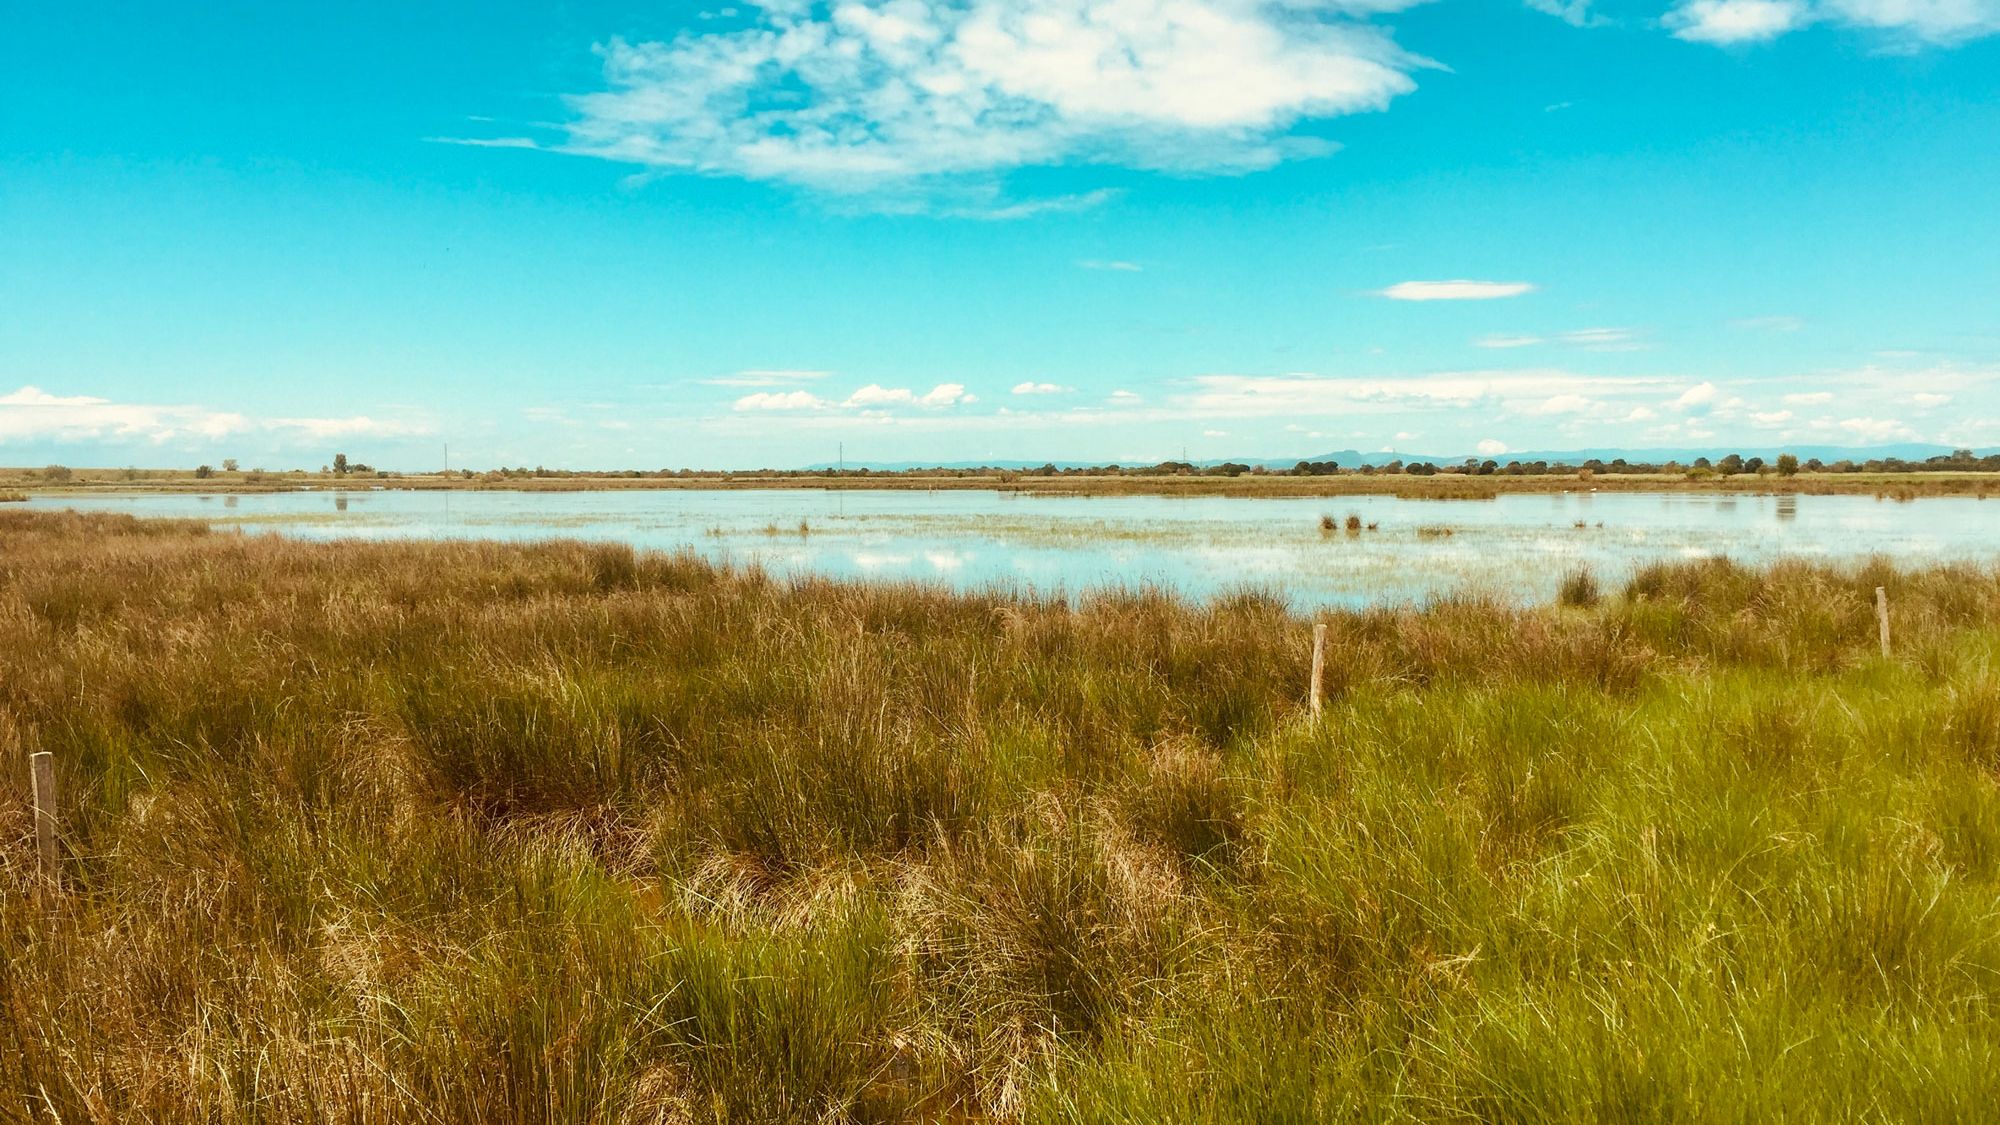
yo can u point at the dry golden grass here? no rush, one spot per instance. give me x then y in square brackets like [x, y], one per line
[469, 832]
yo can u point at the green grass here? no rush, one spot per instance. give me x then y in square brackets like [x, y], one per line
[470, 832]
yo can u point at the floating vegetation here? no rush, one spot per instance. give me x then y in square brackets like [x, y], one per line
[1353, 523]
[1436, 531]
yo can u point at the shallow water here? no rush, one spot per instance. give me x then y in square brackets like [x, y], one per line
[1516, 546]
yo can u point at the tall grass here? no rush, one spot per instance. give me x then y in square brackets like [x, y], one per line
[469, 832]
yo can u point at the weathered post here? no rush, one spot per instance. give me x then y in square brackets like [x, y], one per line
[1319, 669]
[42, 770]
[1882, 618]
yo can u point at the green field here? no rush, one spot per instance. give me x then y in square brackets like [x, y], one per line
[466, 832]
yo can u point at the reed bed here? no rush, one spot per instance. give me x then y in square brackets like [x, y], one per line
[559, 832]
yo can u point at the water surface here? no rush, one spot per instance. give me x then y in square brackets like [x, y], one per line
[1516, 546]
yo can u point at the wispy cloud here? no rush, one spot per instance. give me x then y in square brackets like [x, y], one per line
[1904, 23]
[31, 413]
[766, 378]
[1456, 290]
[1113, 266]
[1033, 388]
[899, 95]
[1507, 341]
[1736, 21]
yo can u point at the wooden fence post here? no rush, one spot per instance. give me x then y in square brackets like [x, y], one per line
[42, 769]
[1319, 668]
[1882, 618]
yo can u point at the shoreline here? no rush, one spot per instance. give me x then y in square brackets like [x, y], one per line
[1898, 486]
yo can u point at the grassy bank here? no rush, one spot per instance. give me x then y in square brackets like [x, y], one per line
[470, 832]
[1444, 486]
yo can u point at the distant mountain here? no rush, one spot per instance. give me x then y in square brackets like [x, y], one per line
[1352, 458]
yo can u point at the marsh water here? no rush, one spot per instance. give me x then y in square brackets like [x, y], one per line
[1517, 546]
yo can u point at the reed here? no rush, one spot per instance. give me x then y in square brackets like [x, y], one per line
[562, 832]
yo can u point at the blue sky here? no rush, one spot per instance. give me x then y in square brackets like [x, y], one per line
[731, 235]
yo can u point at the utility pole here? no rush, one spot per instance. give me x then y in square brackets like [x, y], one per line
[843, 458]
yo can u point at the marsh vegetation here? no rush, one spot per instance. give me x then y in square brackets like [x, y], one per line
[465, 831]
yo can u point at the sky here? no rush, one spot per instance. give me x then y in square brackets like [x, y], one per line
[732, 235]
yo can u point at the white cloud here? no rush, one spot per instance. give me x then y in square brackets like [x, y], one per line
[31, 413]
[1491, 448]
[1576, 13]
[1033, 388]
[1906, 22]
[1113, 266]
[1123, 397]
[1809, 398]
[780, 400]
[1771, 418]
[1563, 404]
[1932, 21]
[946, 394]
[1456, 290]
[1604, 339]
[1928, 399]
[874, 394]
[1215, 433]
[1873, 429]
[1029, 208]
[766, 378]
[1505, 341]
[1736, 21]
[865, 95]
[1520, 392]
[1698, 397]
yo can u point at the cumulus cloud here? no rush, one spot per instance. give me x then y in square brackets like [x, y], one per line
[1928, 399]
[857, 95]
[1460, 290]
[1489, 447]
[780, 400]
[1809, 398]
[946, 394]
[31, 413]
[1701, 396]
[1033, 388]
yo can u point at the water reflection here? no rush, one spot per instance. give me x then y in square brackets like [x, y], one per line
[1513, 546]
